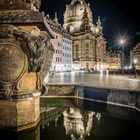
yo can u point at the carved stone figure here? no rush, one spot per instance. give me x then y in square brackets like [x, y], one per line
[19, 4]
[34, 48]
[22, 57]
[36, 3]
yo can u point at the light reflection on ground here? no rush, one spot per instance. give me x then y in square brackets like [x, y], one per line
[95, 79]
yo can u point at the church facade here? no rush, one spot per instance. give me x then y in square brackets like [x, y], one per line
[89, 44]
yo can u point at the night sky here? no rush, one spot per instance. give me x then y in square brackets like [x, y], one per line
[119, 17]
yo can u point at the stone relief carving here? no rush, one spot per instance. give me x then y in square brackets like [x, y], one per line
[34, 48]
[15, 4]
[36, 3]
[24, 44]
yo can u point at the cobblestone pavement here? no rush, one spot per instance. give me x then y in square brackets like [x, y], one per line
[95, 80]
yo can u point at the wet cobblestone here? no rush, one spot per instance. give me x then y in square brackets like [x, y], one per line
[96, 80]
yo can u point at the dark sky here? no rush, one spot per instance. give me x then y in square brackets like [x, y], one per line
[119, 17]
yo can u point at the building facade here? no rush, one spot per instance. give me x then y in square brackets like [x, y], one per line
[136, 56]
[113, 61]
[62, 43]
[66, 51]
[89, 44]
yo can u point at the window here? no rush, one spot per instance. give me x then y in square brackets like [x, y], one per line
[86, 56]
[87, 47]
[87, 50]
[77, 51]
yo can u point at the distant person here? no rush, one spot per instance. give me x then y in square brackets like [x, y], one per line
[88, 70]
[52, 73]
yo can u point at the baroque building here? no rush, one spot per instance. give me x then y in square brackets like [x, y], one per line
[62, 43]
[89, 44]
[113, 61]
[66, 51]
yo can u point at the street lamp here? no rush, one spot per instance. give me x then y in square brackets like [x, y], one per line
[135, 62]
[122, 42]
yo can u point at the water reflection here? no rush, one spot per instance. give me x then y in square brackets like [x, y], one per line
[29, 134]
[50, 114]
[78, 123]
[77, 120]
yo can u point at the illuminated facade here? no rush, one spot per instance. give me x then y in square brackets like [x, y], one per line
[113, 61]
[66, 52]
[89, 44]
[136, 56]
[62, 44]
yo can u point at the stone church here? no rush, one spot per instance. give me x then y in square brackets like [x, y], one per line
[89, 44]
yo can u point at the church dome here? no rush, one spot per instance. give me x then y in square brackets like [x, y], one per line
[74, 13]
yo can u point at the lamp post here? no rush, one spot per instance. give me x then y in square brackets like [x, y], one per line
[122, 43]
[135, 62]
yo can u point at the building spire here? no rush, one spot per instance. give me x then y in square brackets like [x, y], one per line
[98, 23]
[85, 13]
[55, 18]
[81, 1]
[85, 19]
[99, 20]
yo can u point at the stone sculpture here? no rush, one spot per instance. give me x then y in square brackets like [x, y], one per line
[21, 54]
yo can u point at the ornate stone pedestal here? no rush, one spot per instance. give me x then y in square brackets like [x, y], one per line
[25, 59]
[20, 114]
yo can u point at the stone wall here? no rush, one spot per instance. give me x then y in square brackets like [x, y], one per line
[122, 97]
[59, 90]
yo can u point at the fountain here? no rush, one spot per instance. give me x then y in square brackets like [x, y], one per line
[25, 58]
